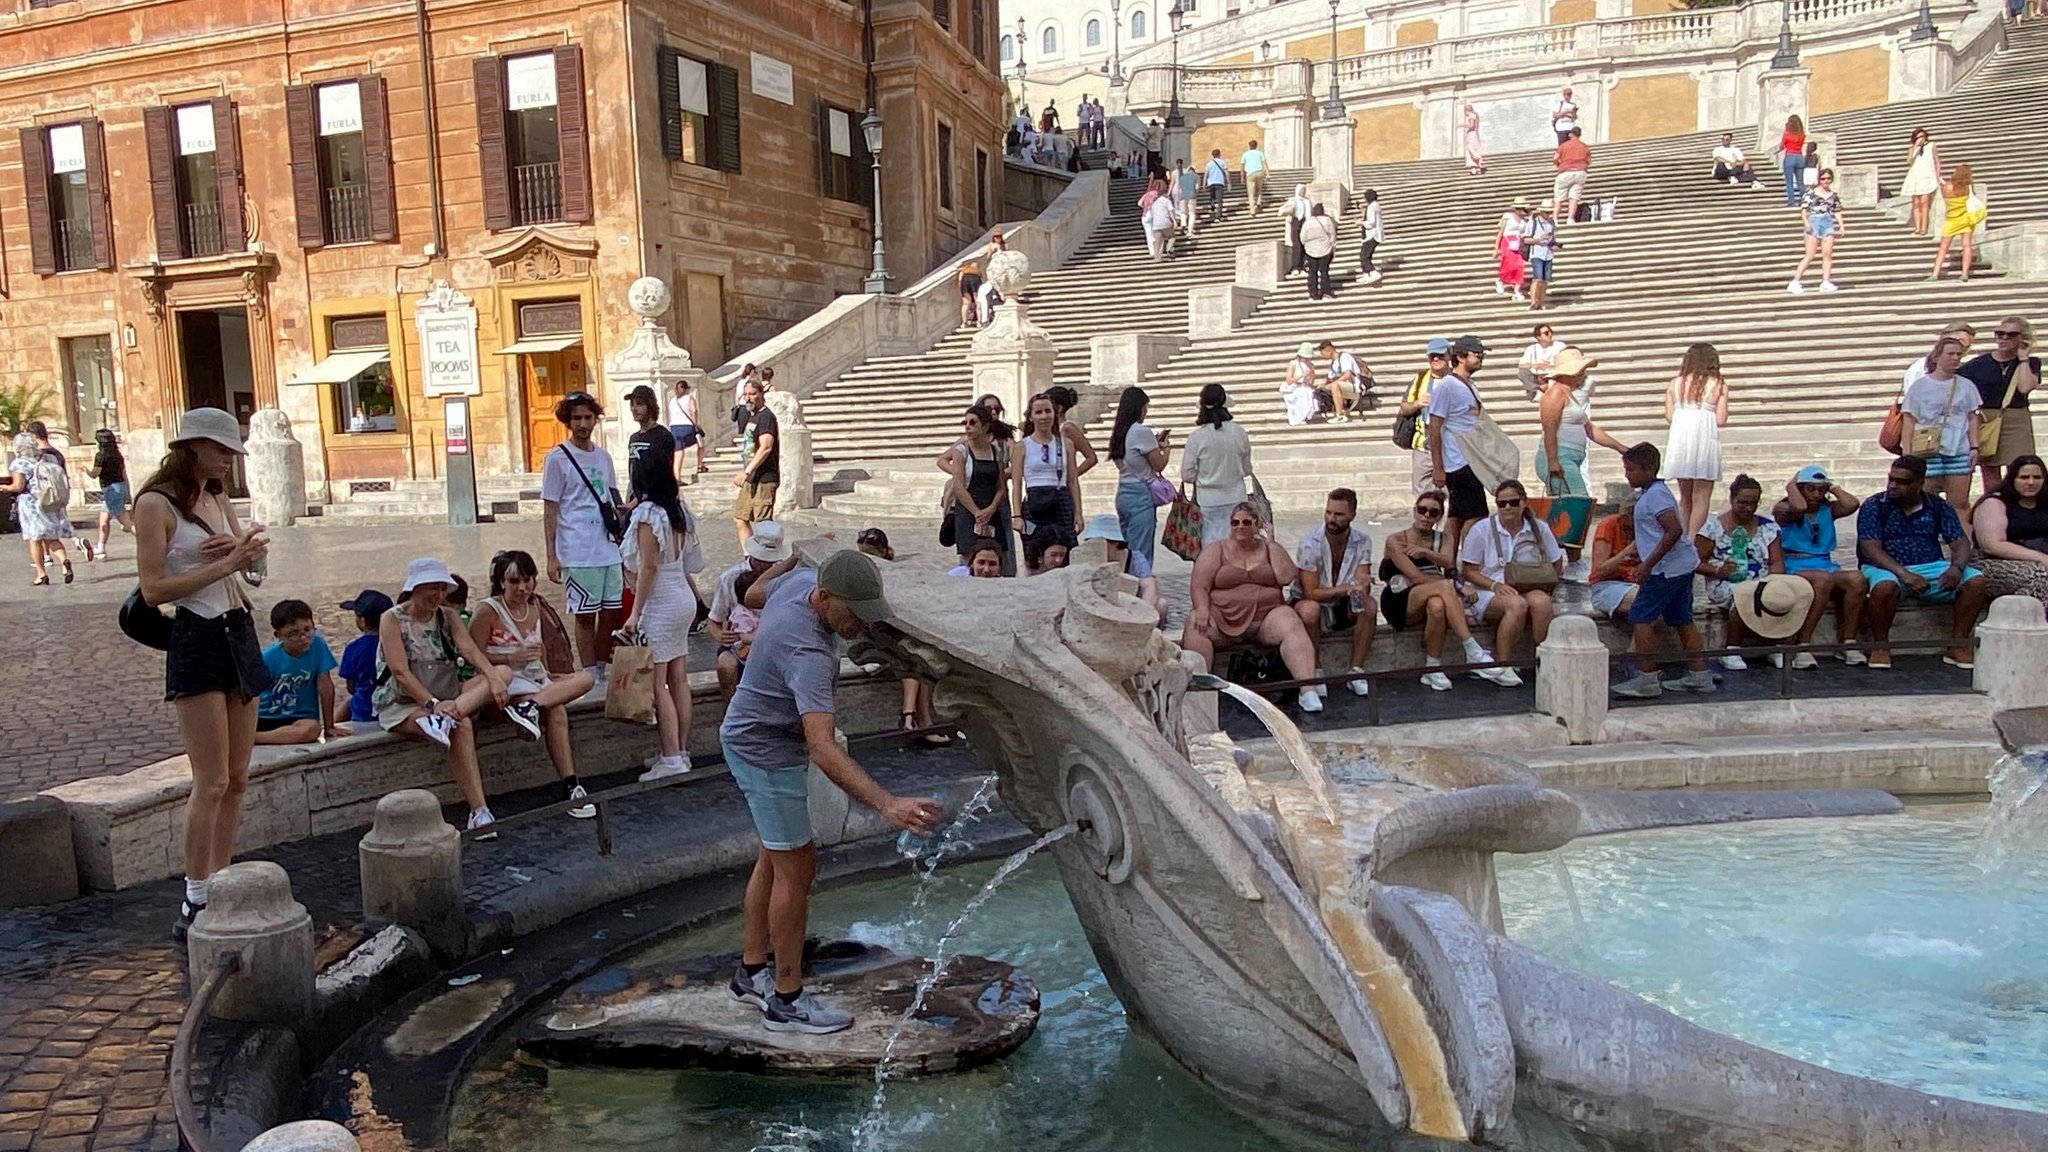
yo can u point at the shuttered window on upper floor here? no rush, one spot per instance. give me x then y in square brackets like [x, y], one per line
[844, 162]
[195, 178]
[64, 178]
[342, 190]
[700, 110]
[532, 137]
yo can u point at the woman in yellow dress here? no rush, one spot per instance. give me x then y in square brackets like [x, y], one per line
[1962, 220]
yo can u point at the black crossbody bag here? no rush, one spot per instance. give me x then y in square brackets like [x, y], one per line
[607, 511]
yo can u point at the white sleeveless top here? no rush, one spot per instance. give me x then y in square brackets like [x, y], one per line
[184, 556]
[1045, 465]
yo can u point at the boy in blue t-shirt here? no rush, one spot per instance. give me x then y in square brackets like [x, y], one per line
[359, 659]
[299, 708]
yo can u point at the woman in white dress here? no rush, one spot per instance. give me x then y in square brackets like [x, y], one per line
[1299, 389]
[1923, 178]
[662, 551]
[1696, 407]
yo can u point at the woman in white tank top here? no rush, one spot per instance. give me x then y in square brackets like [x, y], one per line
[1045, 488]
[188, 552]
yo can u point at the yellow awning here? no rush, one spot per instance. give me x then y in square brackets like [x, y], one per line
[342, 367]
[532, 344]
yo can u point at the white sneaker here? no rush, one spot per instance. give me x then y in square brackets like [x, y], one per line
[1855, 658]
[1436, 682]
[437, 727]
[1359, 687]
[482, 818]
[1505, 677]
[1796, 288]
[586, 811]
[1828, 286]
[1499, 289]
[667, 766]
[1309, 700]
[1804, 661]
[1735, 663]
[525, 714]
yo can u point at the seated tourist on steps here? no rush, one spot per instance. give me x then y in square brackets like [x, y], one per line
[1237, 597]
[1738, 547]
[1333, 583]
[1806, 520]
[983, 560]
[299, 707]
[732, 623]
[1514, 561]
[1615, 562]
[1730, 165]
[1900, 536]
[2012, 531]
[519, 630]
[1416, 571]
[1663, 581]
[1135, 564]
[1045, 550]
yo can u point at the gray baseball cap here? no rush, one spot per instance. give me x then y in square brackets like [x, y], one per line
[854, 577]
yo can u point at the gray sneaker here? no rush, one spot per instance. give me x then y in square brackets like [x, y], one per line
[1692, 682]
[806, 1013]
[755, 989]
[1643, 686]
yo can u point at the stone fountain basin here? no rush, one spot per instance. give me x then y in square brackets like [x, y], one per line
[679, 1014]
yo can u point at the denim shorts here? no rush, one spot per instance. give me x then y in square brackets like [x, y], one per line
[1539, 268]
[1663, 598]
[778, 799]
[1820, 227]
[114, 498]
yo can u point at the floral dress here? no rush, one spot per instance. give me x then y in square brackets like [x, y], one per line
[1749, 548]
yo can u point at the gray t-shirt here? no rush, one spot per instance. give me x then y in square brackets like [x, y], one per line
[1655, 501]
[793, 669]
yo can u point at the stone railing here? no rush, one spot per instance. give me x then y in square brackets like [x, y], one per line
[1278, 80]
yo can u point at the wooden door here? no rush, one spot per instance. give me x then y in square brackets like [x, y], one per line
[546, 377]
[704, 320]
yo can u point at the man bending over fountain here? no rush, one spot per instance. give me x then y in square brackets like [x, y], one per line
[782, 718]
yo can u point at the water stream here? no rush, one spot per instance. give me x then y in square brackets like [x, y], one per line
[1563, 870]
[1292, 744]
[867, 1134]
[2016, 828]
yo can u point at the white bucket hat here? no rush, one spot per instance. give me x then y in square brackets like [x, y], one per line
[767, 544]
[215, 424]
[426, 570]
[1775, 606]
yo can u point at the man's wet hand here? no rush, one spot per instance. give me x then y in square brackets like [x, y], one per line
[919, 814]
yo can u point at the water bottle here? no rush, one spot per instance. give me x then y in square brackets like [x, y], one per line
[912, 846]
[259, 568]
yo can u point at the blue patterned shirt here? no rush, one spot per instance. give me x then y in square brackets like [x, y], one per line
[1920, 537]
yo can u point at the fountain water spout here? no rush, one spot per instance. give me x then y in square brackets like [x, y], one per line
[1292, 743]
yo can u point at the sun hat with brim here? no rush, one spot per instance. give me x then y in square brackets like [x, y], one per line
[1774, 606]
[1104, 527]
[215, 424]
[1571, 362]
[1521, 204]
[854, 577]
[1308, 348]
[1547, 206]
[426, 570]
[767, 544]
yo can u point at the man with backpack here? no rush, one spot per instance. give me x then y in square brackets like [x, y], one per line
[1215, 177]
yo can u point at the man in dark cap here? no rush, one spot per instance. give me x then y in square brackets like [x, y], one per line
[1454, 412]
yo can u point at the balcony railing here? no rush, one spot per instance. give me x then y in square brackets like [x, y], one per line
[74, 245]
[348, 213]
[537, 193]
[199, 228]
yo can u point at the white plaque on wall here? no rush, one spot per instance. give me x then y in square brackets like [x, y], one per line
[447, 325]
[67, 149]
[195, 129]
[530, 81]
[773, 78]
[341, 108]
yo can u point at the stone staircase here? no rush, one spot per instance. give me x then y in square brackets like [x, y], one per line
[1685, 260]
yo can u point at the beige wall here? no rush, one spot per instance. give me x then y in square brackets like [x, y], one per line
[1642, 107]
[1655, 7]
[1350, 42]
[1415, 32]
[1572, 11]
[1385, 135]
[1857, 78]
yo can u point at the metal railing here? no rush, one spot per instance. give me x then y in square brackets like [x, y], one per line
[74, 244]
[1786, 655]
[192, 1134]
[199, 228]
[348, 213]
[537, 193]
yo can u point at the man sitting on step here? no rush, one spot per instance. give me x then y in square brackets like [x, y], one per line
[1333, 583]
[1730, 165]
[1901, 536]
[1348, 381]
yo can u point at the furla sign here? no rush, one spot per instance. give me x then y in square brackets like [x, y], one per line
[447, 326]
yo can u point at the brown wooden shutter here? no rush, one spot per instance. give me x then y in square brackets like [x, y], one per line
[377, 158]
[725, 112]
[163, 180]
[670, 88]
[99, 209]
[35, 182]
[303, 126]
[490, 142]
[825, 184]
[572, 134]
[227, 164]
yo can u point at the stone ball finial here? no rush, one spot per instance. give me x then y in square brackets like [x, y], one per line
[2018, 612]
[1010, 271]
[648, 297]
[305, 1136]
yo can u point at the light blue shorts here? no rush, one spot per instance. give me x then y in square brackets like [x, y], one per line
[114, 498]
[1608, 595]
[1820, 227]
[778, 799]
[593, 589]
[1935, 593]
[1949, 465]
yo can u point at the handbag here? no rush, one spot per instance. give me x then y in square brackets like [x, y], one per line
[607, 511]
[145, 624]
[1892, 432]
[949, 532]
[1182, 535]
[1927, 440]
[629, 684]
[1989, 428]
[1521, 575]
[1258, 500]
[1405, 428]
[1162, 489]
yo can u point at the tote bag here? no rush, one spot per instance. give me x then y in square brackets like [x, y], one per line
[629, 684]
[1182, 535]
[1492, 455]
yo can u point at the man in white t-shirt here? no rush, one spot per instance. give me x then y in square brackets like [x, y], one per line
[1534, 365]
[1349, 381]
[1453, 412]
[580, 493]
[1730, 165]
[1333, 573]
[1566, 117]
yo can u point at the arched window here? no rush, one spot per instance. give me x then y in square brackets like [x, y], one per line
[1049, 41]
[1009, 48]
[1093, 34]
[1138, 24]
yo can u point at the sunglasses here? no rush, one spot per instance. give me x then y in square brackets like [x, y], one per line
[1510, 503]
[2008, 335]
[1236, 523]
[1429, 510]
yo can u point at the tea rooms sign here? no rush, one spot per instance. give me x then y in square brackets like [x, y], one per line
[447, 324]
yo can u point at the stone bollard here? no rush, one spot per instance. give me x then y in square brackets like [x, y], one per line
[305, 1136]
[2012, 649]
[411, 869]
[250, 910]
[1571, 677]
[276, 467]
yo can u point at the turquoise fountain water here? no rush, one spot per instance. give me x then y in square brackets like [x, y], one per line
[1873, 946]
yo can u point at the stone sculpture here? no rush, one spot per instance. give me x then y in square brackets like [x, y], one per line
[276, 470]
[1348, 977]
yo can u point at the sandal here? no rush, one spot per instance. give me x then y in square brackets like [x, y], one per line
[42, 580]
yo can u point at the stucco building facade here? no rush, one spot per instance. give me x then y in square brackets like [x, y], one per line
[222, 202]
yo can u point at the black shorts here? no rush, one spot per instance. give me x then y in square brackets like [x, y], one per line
[1468, 495]
[214, 654]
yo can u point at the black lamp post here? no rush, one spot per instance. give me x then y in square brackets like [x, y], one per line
[1787, 56]
[1023, 105]
[871, 131]
[1116, 44]
[1924, 30]
[1176, 17]
[1333, 107]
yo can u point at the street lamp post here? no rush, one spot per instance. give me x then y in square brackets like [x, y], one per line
[1176, 16]
[1786, 56]
[877, 281]
[1116, 44]
[1924, 30]
[1023, 105]
[1333, 107]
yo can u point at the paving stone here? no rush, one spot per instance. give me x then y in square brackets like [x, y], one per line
[77, 1124]
[34, 1082]
[61, 1144]
[16, 1141]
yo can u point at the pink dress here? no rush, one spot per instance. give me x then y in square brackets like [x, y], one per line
[1512, 264]
[1475, 156]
